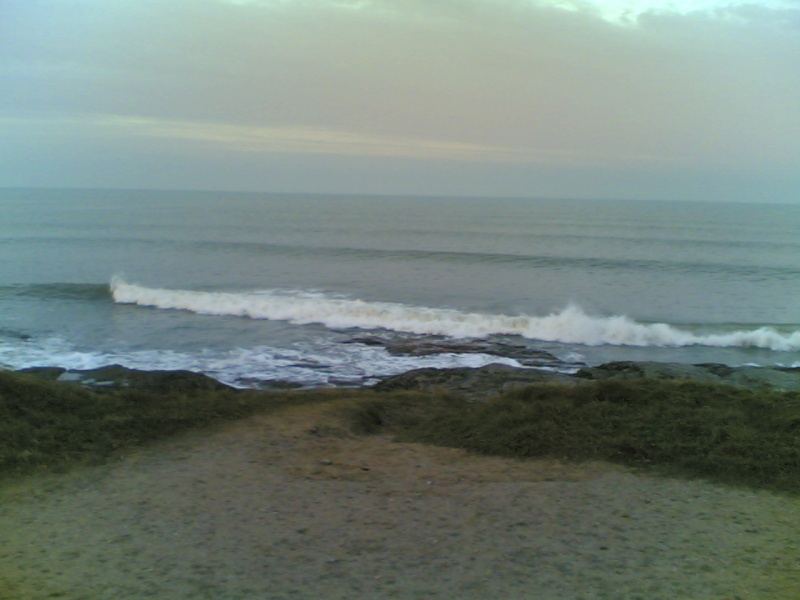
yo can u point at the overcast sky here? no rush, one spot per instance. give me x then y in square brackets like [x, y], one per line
[569, 98]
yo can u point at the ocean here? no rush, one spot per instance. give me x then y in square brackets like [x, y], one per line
[250, 287]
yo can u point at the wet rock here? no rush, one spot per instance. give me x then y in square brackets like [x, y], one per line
[717, 369]
[746, 376]
[491, 380]
[117, 376]
[46, 373]
[648, 370]
[311, 364]
[15, 334]
[411, 346]
[272, 385]
[472, 383]
[761, 377]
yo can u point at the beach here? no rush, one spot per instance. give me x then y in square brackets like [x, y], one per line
[295, 505]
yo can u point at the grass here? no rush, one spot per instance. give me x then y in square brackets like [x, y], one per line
[722, 433]
[47, 425]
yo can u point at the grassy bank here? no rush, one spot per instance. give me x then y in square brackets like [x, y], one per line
[725, 434]
[47, 425]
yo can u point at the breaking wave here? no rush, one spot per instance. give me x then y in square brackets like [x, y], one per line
[570, 325]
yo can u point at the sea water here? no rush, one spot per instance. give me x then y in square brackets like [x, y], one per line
[253, 287]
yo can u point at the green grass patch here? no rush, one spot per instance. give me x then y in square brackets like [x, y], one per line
[47, 425]
[722, 433]
[719, 432]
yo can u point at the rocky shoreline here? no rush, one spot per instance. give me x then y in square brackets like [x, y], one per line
[482, 382]
[475, 383]
[517, 366]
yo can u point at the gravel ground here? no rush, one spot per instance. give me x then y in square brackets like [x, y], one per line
[294, 506]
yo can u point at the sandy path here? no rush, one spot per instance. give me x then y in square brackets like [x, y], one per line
[294, 507]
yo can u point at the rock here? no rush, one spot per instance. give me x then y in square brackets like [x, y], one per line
[764, 377]
[272, 385]
[117, 376]
[649, 370]
[484, 382]
[472, 383]
[15, 334]
[427, 346]
[717, 369]
[46, 373]
[783, 379]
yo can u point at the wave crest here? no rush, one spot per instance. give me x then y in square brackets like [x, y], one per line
[570, 325]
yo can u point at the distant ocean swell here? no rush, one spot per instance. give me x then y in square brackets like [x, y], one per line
[61, 291]
[570, 325]
[535, 260]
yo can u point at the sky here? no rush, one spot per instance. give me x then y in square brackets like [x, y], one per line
[683, 99]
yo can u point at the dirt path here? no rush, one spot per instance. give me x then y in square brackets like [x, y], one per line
[293, 506]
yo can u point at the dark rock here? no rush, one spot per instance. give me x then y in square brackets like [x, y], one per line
[764, 378]
[368, 341]
[15, 334]
[276, 385]
[473, 383]
[312, 364]
[747, 376]
[412, 346]
[117, 376]
[346, 382]
[484, 382]
[46, 373]
[717, 369]
[648, 370]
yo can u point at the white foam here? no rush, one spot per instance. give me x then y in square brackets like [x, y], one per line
[570, 325]
[320, 364]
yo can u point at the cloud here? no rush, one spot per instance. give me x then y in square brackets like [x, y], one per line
[304, 140]
[638, 12]
[617, 12]
[566, 82]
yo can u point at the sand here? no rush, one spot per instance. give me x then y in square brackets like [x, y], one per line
[295, 506]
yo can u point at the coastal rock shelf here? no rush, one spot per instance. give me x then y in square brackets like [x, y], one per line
[430, 345]
[479, 383]
[117, 376]
[474, 383]
[779, 378]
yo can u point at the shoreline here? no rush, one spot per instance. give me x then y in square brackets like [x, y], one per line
[473, 382]
[360, 360]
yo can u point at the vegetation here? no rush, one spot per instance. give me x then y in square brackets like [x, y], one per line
[723, 433]
[48, 425]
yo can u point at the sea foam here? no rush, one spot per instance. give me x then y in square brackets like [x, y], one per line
[570, 325]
